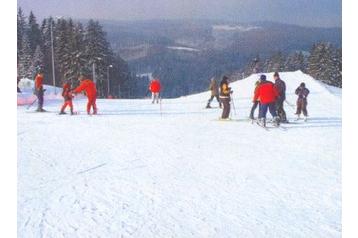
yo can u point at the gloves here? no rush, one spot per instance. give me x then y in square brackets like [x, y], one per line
[231, 92]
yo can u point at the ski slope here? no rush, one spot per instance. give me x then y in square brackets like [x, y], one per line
[137, 171]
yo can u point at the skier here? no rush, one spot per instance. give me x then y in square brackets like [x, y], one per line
[90, 88]
[67, 96]
[302, 93]
[255, 103]
[214, 93]
[154, 87]
[39, 90]
[281, 88]
[225, 92]
[267, 94]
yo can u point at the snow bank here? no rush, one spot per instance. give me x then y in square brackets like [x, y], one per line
[27, 96]
[244, 88]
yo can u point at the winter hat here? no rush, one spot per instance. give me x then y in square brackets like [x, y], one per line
[302, 85]
[225, 77]
[263, 77]
[276, 74]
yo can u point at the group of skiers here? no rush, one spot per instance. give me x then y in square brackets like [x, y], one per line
[86, 85]
[268, 96]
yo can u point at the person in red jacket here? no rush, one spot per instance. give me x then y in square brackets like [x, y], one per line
[90, 88]
[67, 95]
[267, 93]
[154, 87]
[39, 91]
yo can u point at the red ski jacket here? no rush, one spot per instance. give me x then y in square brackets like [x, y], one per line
[154, 86]
[88, 86]
[39, 82]
[266, 93]
[66, 92]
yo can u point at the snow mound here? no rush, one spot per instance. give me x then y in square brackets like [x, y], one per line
[244, 88]
[27, 96]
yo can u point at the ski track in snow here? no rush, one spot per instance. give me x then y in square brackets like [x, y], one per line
[132, 172]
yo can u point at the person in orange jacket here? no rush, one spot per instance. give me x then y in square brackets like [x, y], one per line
[39, 91]
[155, 87]
[90, 88]
[67, 95]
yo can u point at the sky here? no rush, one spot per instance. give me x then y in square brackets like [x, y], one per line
[320, 13]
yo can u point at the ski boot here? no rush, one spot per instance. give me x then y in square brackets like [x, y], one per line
[261, 122]
[62, 113]
[276, 121]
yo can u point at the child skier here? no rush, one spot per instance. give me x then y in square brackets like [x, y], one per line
[267, 94]
[67, 96]
[225, 92]
[302, 93]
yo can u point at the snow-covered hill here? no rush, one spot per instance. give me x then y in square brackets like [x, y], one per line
[138, 171]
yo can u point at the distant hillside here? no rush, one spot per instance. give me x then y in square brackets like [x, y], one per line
[185, 53]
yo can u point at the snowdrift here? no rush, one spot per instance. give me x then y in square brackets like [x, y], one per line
[244, 88]
[27, 96]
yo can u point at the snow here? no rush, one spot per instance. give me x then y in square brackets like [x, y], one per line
[182, 48]
[135, 172]
[234, 28]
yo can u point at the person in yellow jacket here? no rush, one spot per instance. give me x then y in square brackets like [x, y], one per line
[225, 92]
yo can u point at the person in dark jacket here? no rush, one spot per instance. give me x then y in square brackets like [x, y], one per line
[255, 103]
[267, 94]
[302, 93]
[214, 93]
[281, 88]
[67, 96]
[225, 92]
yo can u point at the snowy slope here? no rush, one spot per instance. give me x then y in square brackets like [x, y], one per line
[135, 172]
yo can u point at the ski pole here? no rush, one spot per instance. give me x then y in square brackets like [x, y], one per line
[291, 105]
[160, 105]
[28, 107]
[233, 105]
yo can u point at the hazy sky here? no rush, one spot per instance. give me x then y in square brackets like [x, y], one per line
[302, 12]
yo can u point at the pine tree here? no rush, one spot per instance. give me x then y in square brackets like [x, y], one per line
[276, 62]
[325, 64]
[97, 52]
[21, 30]
[294, 62]
[24, 63]
[37, 60]
[33, 33]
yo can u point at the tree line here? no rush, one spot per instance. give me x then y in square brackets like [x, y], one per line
[323, 62]
[76, 47]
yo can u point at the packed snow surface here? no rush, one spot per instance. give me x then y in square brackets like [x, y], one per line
[137, 171]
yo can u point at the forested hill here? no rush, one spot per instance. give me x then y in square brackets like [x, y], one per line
[185, 54]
